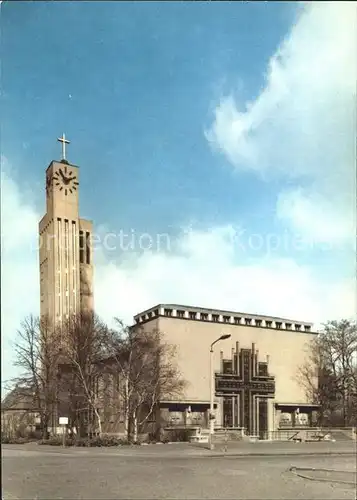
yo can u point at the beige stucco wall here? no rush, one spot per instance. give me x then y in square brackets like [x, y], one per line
[286, 350]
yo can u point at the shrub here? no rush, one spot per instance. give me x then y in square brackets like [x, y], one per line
[178, 435]
[13, 440]
[56, 441]
[104, 441]
[94, 442]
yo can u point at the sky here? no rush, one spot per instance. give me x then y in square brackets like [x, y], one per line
[216, 146]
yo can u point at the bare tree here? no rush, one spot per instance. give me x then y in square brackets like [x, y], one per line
[330, 373]
[147, 371]
[37, 352]
[84, 346]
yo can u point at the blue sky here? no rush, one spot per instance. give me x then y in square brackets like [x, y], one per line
[204, 121]
[133, 85]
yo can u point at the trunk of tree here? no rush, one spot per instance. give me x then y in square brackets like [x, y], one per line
[126, 409]
[98, 421]
[44, 426]
[135, 426]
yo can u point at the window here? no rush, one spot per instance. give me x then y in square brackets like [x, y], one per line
[277, 325]
[258, 322]
[226, 319]
[81, 247]
[288, 326]
[156, 312]
[248, 321]
[263, 369]
[227, 366]
[268, 324]
[192, 315]
[297, 328]
[204, 316]
[215, 318]
[142, 318]
[307, 328]
[87, 247]
[180, 314]
[237, 320]
[168, 312]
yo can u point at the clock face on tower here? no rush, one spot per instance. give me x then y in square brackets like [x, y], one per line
[65, 180]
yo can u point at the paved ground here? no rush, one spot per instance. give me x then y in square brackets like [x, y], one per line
[179, 472]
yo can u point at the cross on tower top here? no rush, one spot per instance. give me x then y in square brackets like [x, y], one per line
[64, 141]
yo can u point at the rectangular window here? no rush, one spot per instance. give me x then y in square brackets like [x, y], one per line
[215, 318]
[88, 247]
[297, 328]
[168, 312]
[268, 324]
[277, 325]
[307, 328]
[180, 314]
[81, 247]
[192, 315]
[227, 366]
[258, 322]
[237, 320]
[288, 326]
[73, 264]
[248, 321]
[226, 319]
[204, 316]
[263, 369]
[156, 312]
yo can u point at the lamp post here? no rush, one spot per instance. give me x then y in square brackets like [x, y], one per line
[212, 391]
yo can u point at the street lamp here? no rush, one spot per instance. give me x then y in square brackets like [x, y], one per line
[212, 390]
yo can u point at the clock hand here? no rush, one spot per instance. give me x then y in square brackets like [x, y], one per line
[62, 174]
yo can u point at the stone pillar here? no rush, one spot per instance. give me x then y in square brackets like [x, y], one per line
[233, 411]
[206, 418]
[164, 417]
[219, 413]
[272, 424]
[257, 417]
[237, 358]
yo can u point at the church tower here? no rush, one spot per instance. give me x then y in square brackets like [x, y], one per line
[66, 257]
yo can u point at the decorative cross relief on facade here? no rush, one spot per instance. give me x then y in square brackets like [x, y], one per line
[245, 385]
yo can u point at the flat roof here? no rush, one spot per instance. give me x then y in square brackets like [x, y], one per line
[223, 312]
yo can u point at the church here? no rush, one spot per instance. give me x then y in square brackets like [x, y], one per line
[253, 359]
[241, 369]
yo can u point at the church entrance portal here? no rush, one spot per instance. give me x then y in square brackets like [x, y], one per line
[245, 386]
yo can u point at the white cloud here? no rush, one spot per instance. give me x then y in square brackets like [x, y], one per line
[207, 274]
[302, 126]
[19, 265]
[202, 272]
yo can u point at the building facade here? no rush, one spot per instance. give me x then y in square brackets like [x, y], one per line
[256, 369]
[65, 252]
